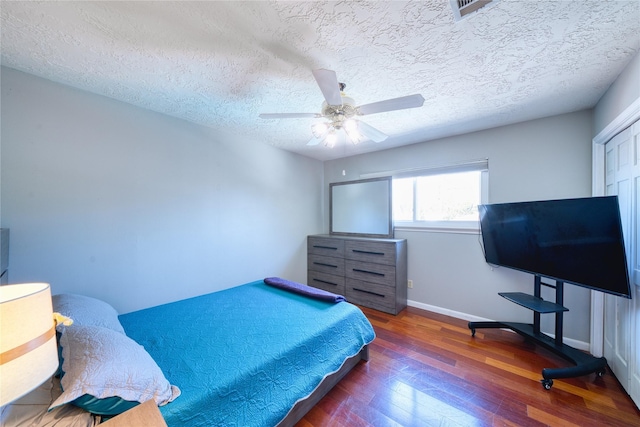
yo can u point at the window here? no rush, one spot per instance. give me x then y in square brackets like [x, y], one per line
[440, 198]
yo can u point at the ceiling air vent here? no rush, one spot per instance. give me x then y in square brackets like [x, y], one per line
[464, 8]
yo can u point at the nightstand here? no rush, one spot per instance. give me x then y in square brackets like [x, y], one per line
[146, 414]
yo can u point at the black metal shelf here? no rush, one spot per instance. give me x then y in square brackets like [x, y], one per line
[584, 363]
[532, 302]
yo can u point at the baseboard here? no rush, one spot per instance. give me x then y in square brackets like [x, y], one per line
[580, 345]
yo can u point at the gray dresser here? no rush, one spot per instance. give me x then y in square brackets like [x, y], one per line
[368, 272]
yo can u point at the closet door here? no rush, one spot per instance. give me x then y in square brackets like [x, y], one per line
[621, 315]
[634, 377]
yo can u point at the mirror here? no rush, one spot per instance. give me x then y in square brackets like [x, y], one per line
[361, 208]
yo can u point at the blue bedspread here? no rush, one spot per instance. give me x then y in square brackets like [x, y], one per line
[244, 356]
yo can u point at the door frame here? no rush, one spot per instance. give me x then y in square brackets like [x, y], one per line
[625, 119]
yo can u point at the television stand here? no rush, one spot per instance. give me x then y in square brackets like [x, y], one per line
[584, 363]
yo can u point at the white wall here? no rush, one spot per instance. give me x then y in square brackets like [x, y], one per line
[541, 159]
[137, 208]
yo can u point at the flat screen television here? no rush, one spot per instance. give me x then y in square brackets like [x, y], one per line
[577, 241]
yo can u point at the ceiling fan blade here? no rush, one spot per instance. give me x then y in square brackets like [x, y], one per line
[328, 82]
[288, 115]
[316, 141]
[411, 101]
[370, 132]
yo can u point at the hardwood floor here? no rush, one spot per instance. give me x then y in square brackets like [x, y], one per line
[425, 369]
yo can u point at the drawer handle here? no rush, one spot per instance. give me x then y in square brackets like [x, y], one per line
[367, 252]
[357, 270]
[325, 265]
[369, 292]
[325, 247]
[324, 281]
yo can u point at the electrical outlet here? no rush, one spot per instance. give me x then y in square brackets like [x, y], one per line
[410, 284]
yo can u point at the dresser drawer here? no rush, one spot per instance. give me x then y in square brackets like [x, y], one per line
[325, 264]
[328, 282]
[371, 295]
[369, 272]
[368, 251]
[375, 273]
[325, 246]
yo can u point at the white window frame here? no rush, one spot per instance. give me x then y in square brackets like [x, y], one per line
[471, 227]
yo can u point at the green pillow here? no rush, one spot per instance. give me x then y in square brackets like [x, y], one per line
[106, 406]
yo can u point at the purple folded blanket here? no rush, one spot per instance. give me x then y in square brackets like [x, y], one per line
[301, 289]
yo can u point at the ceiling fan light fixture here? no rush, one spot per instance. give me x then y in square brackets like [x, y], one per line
[354, 137]
[331, 139]
[319, 129]
[350, 125]
[351, 129]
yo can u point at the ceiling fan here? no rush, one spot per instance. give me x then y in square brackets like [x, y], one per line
[340, 111]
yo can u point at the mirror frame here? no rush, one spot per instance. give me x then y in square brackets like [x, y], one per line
[388, 234]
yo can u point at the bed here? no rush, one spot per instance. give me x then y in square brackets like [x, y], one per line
[246, 355]
[252, 355]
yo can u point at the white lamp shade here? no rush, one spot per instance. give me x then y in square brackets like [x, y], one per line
[28, 350]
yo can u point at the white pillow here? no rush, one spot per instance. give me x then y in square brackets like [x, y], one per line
[86, 311]
[104, 363]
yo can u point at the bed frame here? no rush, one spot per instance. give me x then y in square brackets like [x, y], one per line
[303, 406]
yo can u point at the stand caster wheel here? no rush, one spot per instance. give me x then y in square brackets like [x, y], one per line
[601, 373]
[547, 384]
[473, 332]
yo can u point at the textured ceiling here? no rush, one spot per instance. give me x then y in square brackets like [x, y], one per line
[221, 64]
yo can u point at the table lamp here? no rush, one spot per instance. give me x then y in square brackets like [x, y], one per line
[28, 350]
